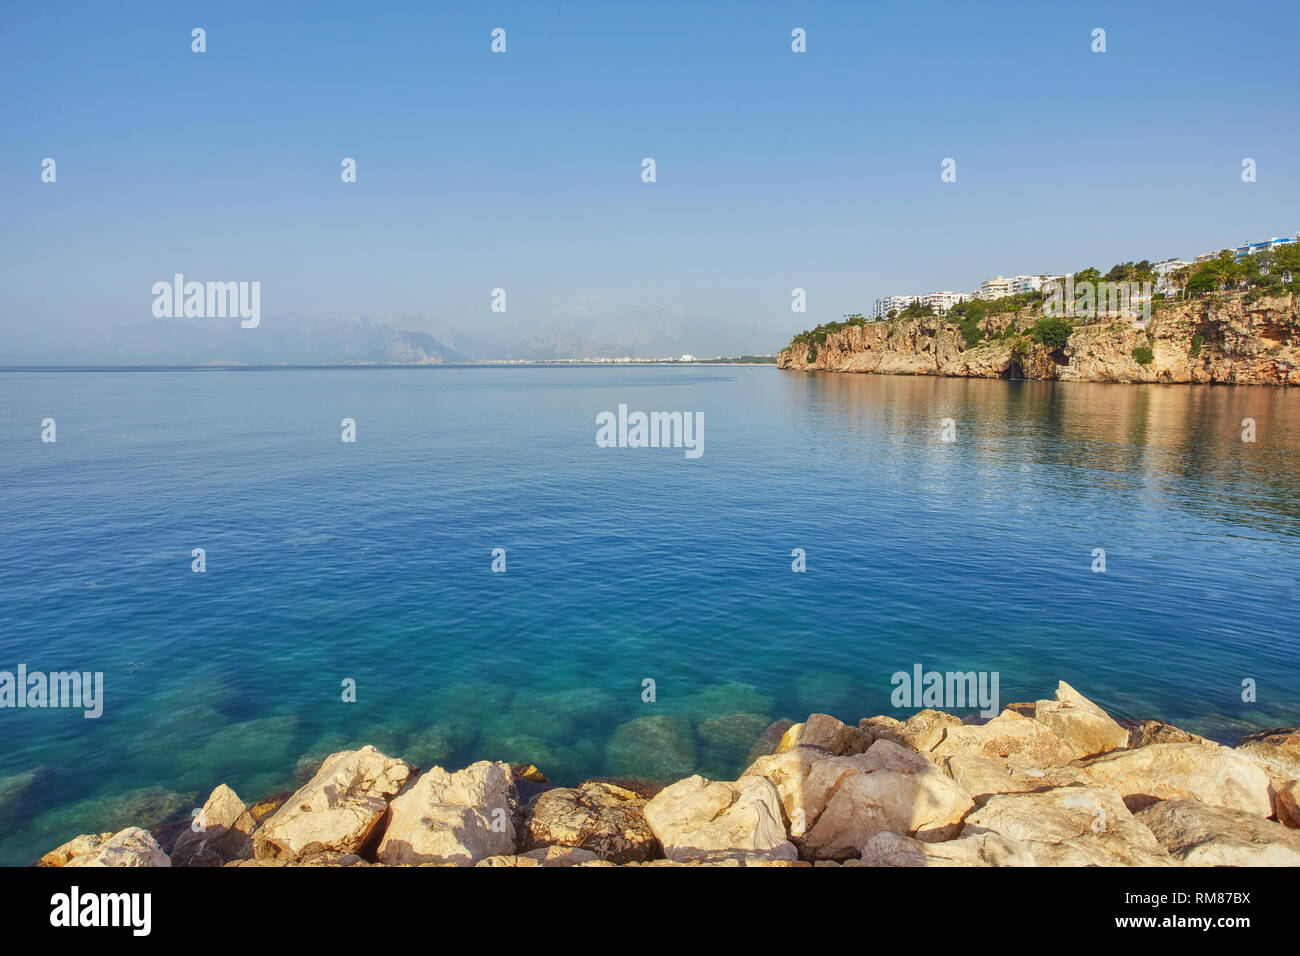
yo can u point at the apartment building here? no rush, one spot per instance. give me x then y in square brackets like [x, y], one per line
[943, 302]
[997, 288]
[1255, 248]
[892, 303]
[1164, 269]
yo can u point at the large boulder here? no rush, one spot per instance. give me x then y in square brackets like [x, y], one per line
[698, 819]
[826, 732]
[337, 810]
[982, 777]
[1009, 733]
[788, 771]
[1083, 725]
[1202, 835]
[598, 816]
[980, 849]
[328, 858]
[1205, 772]
[1144, 732]
[920, 732]
[77, 846]
[222, 832]
[1288, 804]
[1276, 751]
[130, 847]
[889, 789]
[833, 808]
[1070, 826]
[552, 856]
[457, 818]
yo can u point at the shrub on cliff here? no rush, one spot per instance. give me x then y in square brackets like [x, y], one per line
[1143, 355]
[970, 330]
[1051, 331]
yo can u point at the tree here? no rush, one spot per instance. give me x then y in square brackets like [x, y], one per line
[1051, 331]
[1202, 282]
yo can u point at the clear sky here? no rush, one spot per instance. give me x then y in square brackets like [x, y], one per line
[522, 170]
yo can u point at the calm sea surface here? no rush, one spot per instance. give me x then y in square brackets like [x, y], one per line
[372, 561]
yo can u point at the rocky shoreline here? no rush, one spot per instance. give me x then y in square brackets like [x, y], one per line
[1056, 782]
[1224, 339]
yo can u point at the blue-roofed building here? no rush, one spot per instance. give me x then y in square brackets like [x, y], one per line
[1255, 248]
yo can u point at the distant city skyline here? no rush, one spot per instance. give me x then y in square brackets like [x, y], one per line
[522, 171]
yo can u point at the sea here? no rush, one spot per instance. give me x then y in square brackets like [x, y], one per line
[475, 576]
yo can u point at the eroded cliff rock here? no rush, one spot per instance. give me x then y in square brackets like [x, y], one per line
[1217, 340]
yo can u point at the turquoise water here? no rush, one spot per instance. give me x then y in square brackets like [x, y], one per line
[372, 561]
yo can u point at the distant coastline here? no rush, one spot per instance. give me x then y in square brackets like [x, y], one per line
[745, 361]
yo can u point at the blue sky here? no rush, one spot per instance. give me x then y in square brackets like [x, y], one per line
[522, 170]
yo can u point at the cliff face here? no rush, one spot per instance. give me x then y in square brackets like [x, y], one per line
[1240, 343]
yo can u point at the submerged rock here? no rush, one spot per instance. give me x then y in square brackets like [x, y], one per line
[726, 742]
[13, 792]
[438, 743]
[252, 746]
[770, 739]
[476, 702]
[147, 807]
[732, 697]
[661, 747]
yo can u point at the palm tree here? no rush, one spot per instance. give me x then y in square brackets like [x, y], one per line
[1179, 277]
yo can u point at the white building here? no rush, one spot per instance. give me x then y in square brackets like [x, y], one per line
[1163, 270]
[1255, 248]
[943, 302]
[1023, 284]
[996, 288]
[892, 303]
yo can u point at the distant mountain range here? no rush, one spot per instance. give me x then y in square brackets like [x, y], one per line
[399, 339]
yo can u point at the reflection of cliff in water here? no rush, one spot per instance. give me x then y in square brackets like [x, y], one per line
[1174, 446]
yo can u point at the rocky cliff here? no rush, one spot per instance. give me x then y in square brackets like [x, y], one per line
[1218, 340]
